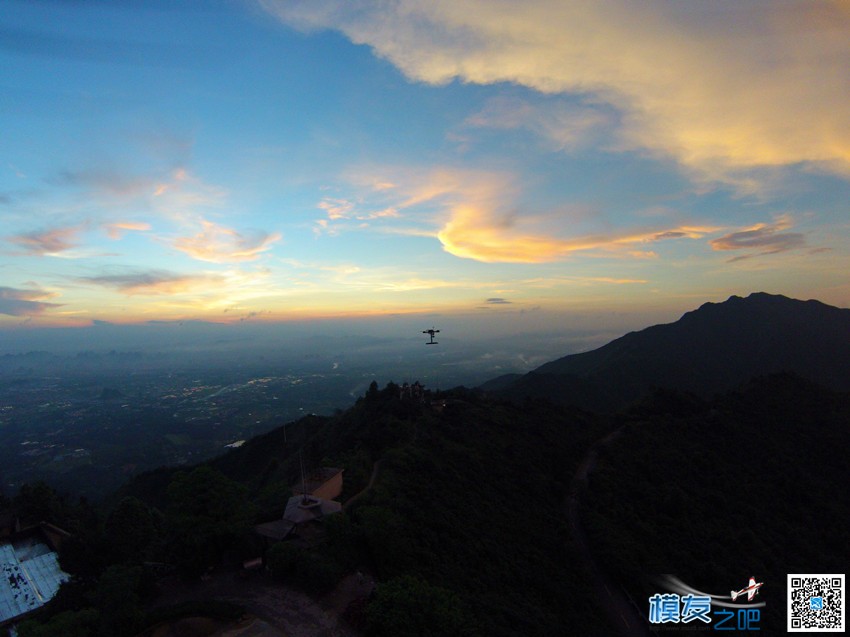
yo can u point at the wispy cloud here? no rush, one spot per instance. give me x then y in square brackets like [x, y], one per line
[154, 282]
[580, 281]
[188, 292]
[736, 81]
[175, 194]
[340, 211]
[565, 126]
[116, 230]
[336, 208]
[182, 194]
[410, 284]
[477, 214]
[761, 239]
[25, 302]
[105, 183]
[497, 300]
[217, 244]
[50, 242]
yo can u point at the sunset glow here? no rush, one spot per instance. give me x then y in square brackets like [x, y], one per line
[275, 160]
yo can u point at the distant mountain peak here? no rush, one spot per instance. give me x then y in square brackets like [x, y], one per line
[713, 348]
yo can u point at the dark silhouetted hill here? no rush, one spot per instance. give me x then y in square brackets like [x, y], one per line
[712, 349]
[748, 481]
[468, 525]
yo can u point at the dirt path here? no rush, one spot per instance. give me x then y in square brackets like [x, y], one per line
[376, 469]
[622, 614]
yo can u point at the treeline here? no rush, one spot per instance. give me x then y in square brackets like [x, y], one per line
[114, 559]
[464, 529]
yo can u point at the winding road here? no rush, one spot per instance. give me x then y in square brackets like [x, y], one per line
[376, 469]
[622, 613]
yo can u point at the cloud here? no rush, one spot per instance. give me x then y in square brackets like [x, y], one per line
[670, 234]
[566, 126]
[761, 239]
[154, 282]
[720, 87]
[181, 194]
[498, 301]
[473, 233]
[106, 183]
[175, 194]
[336, 208]
[50, 242]
[342, 210]
[602, 279]
[217, 244]
[555, 282]
[116, 230]
[17, 302]
[415, 283]
[474, 215]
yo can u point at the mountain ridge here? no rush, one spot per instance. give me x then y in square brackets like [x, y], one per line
[708, 350]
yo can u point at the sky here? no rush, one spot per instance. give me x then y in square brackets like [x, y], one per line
[492, 165]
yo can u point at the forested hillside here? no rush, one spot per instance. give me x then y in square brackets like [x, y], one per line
[467, 528]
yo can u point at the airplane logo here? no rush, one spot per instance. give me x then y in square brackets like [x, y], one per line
[751, 590]
[431, 333]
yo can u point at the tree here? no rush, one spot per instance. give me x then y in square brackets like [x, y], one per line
[130, 530]
[81, 623]
[118, 601]
[37, 502]
[208, 514]
[410, 606]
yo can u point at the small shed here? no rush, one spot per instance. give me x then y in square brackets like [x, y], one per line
[277, 530]
[301, 509]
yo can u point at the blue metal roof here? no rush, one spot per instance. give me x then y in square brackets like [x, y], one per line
[28, 579]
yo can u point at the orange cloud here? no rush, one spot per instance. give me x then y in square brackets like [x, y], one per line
[217, 244]
[116, 230]
[473, 234]
[475, 212]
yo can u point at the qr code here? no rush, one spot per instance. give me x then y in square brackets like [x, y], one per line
[816, 603]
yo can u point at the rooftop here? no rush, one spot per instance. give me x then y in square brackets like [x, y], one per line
[29, 577]
[316, 479]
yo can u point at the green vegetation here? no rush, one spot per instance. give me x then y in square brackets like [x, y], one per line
[465, 527]
[714, 492]
[408, 605]
[311, 571]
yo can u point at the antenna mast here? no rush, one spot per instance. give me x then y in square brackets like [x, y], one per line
[303, 477]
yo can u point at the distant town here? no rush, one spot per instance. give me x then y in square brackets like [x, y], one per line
[88, 433]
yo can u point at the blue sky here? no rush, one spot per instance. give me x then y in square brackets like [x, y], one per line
[487, 163]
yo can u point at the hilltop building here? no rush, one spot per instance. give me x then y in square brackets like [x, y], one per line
[325, 483]
[314, 500]
[29, 570]
[415, 392]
